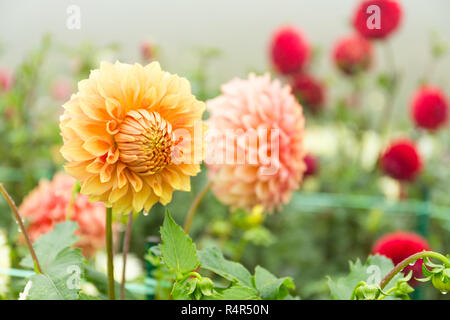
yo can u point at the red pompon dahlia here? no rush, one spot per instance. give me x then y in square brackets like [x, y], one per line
[429, 108]
[308, 90]
[290, 50]
[398, 246]
[353, 54]
[401, 160]
[312, 165]
[377, 19]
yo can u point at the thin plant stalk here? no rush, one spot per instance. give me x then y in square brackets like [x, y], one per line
[14, 209]
[110, 254]
[403, 264]
[126, 247]
[193, 209]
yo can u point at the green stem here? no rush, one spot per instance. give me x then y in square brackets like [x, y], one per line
[193, 209]
[14, 209]
[109, 250]
[361, 283]
[126, 247]
[399, 267]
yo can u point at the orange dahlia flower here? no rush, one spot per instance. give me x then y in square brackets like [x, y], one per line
[256, 134]
[128, 135]
[48, 204]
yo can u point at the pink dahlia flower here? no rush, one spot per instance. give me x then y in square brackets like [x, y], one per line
[48, 204]
[255, 154]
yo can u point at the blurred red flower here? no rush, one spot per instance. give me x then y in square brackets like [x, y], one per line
[429, 108]
[309, 91]
[6, 79]
[390, 16]
[400, 245]
[401, 160]
[312, 165]
[290, 50]
[353, 54]
[147, 51]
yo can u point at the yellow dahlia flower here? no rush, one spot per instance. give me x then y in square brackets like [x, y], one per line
[129, 135]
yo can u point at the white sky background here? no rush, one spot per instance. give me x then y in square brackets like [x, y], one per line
[241, 28]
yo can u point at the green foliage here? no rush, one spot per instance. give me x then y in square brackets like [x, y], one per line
[375, 268]
[271, 287]
[213, 260]
[62, 267]
[191, 285]
[177, 249]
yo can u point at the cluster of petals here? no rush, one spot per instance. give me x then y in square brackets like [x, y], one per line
[401, 160]
[290, 50]
[132, 135]
[309, 90]
[246, 108]
[353, 54]
[429, 108]
[377, 19]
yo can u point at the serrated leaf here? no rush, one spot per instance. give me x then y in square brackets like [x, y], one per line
[62, 266]
[375, 268]
[50, 244]
[236, 292]
[270, 287]
[177, 250]
[213, 260]
[45, 287]
[180, 291]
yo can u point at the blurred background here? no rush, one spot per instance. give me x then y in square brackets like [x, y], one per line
[340, 210]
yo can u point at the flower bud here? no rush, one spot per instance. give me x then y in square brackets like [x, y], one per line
[206, 286]
[441, 280]
[367, 292]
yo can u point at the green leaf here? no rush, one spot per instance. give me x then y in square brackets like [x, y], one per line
[213, 260]
[177, 250]
[45, 287]
[62, 267]
[236, 292]
[181, 290]
[49, 245]
[271, 287]
[374, 270]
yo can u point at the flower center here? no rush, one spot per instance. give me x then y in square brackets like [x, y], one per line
[145, 142]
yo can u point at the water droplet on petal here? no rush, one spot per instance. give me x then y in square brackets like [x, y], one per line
[444, 292]
[412, 263]
[145, 213]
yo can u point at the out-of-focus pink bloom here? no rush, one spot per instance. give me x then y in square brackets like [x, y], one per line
[61, 89]
[309, 90]
[266, 171]
[429, 108]
[289, 49]
[6, 79]
[389, 14]
[401, 160]
[48, 204]
[147, 51]
[312, 165]
[353, 54]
